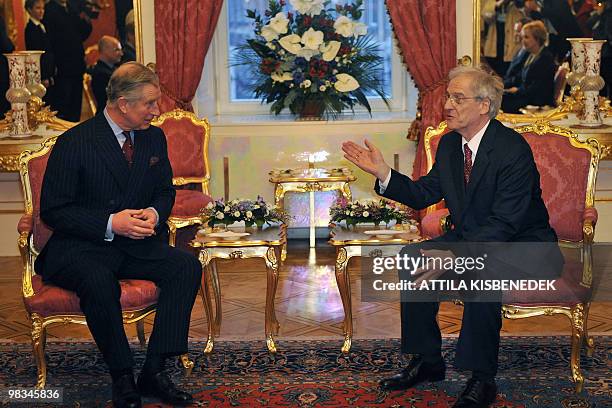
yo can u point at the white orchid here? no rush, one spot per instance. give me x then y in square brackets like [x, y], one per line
[268, 33]
[219, 215]
[330, 50]
[312, 39]
[281, 77]
[291, 43]
[345, 83]
[309, 7]
[344, 26]
[279, 23]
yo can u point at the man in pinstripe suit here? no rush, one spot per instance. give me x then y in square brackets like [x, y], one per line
[106, 194]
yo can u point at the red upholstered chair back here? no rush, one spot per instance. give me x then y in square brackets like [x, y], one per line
[567, 170]
[32, 168]
[188, 139]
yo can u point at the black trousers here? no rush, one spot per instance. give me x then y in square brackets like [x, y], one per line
[478, 344]
[97, 285]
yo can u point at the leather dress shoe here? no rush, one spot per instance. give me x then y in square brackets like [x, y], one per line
[416, 372]
[124, 392]
[477, 394]
[159, 385]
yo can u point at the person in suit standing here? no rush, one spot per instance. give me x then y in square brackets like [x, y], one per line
[67, 29]
[530, 77]
[36, 39]
[106, 194]
[487, 176]
[110, 53]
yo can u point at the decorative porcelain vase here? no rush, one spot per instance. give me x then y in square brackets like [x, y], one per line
[578, 57]
[33, 81]
[18, 95]
[591, 83]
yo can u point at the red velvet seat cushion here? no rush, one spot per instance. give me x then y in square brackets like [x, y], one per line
[188, 203]
[49, 300]
[568, 291]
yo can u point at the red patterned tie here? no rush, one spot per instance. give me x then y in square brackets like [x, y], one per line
[467, 164]
[128, 148]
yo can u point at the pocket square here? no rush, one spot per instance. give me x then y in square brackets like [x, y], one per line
[153, 161]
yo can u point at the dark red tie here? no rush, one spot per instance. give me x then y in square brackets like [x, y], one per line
[467, 164]
[128, 148]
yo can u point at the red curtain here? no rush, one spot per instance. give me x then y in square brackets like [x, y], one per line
[183, 32]
[426, 33]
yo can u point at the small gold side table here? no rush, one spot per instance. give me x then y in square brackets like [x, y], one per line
[263, 243]
[353, 243]
[308, 181]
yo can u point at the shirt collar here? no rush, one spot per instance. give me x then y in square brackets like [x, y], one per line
[117, 131]
[37, 22]
[475, 141]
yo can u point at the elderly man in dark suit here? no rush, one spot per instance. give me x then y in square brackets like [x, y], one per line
[487, 176]
[110, 53]
[106, 194]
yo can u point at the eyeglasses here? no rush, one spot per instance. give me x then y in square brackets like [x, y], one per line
[458, 100]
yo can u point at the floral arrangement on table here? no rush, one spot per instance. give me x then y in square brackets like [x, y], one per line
[370, 211]
[252, 212]
[314, 60]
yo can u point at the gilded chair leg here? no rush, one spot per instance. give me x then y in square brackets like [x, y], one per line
[38, 344]
[577, 338]
[141, 333]
[589, 342]
[171, 234]
[186, 362]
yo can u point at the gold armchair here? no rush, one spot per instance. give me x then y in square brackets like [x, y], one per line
[47, 304]
[188, 139]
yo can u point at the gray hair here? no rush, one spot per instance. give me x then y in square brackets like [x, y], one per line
[127, 81]
[483, 84]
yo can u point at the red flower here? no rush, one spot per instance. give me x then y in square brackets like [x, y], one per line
[307, 21]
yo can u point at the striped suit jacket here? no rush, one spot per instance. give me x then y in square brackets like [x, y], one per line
[87, 179]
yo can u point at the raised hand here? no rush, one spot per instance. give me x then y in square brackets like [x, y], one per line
[368, 158]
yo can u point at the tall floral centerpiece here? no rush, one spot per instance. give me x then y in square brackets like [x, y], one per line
[312, 59]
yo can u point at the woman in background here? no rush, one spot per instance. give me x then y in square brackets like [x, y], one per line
[36, 39]
[530, 77]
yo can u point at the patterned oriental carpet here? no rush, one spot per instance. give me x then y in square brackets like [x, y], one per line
[533, 373]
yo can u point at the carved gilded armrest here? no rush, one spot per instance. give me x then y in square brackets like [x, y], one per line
[589, 218]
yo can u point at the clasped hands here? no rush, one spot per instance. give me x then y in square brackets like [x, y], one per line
[135, 224]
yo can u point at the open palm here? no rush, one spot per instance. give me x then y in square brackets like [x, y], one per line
[368, 158]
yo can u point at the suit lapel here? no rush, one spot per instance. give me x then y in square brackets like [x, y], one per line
[142, 153]
[456, 162]
[481, 163]
[110, 151]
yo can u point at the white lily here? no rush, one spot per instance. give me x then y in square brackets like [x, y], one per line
[268, 33]
[312, 39]
[279, 23]
[344, 26]
[309, 7]
[345, 83]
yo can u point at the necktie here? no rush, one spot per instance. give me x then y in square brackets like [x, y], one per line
[128, 148]
[467, 164]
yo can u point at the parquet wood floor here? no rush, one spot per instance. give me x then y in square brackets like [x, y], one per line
[307, 304]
